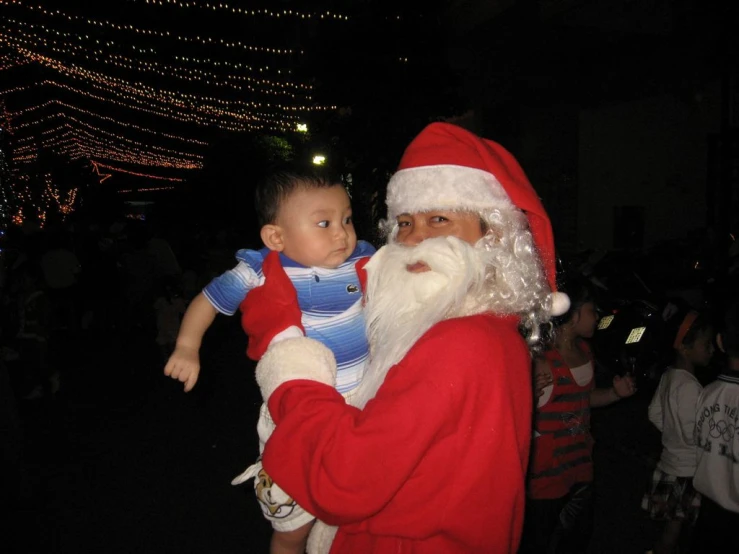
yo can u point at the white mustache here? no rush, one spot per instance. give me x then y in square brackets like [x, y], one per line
[441, 254]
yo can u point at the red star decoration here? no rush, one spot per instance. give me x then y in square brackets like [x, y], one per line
[103, 175]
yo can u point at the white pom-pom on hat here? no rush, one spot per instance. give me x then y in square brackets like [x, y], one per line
[560, 303]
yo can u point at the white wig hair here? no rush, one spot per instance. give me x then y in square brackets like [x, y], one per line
[515, 282]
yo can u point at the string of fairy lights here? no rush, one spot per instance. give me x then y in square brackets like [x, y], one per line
[30, 41]
[222, 7]
[63, 203]
[145, 189]
[204, 41]
[88, 113]
[116, 137]
[140, 96]
[18, 33]
[245, 11]
[236, 122]
[115, 85]
[11, 62]
[66, 206]
[83, 142]
[95, 69]
[128, 172]
[141, 89]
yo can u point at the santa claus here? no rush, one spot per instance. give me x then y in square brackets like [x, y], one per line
[429, 454]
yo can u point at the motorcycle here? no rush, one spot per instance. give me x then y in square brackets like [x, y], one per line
[637, 321]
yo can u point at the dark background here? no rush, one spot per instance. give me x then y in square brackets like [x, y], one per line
[119, 459]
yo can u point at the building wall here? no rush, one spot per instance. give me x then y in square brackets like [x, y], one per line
[649, 154]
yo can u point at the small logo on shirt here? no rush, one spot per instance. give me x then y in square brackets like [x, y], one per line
[351, 289]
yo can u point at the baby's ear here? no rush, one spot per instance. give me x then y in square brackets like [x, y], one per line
[272, 237]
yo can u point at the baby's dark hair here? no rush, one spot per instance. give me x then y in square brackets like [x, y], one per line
[730, 331]
[285, 180]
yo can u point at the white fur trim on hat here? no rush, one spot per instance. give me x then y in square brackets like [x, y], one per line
[298, 358]
[444, 187]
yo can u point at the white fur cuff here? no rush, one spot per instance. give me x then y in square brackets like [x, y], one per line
[321, 538]
[297, 358]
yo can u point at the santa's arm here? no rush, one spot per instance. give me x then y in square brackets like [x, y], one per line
[344, 465]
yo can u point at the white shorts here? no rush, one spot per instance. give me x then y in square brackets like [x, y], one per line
[277, 507]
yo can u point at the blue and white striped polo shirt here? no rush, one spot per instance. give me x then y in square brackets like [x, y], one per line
[330, 300]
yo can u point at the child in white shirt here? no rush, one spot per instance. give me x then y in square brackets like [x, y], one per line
[717, 442]
[672, 498]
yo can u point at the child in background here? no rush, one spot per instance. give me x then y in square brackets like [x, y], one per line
[559, 503]
[311, 249]
[717, 442]
[34, 323]
[671, 498]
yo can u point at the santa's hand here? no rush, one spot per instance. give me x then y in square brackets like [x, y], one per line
[297, 358]
[271, 310]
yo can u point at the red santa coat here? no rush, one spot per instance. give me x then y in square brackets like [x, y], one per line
[435, 463]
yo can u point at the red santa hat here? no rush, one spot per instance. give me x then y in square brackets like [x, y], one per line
[447, 167]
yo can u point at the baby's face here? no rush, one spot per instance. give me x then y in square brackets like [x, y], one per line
[317, 228]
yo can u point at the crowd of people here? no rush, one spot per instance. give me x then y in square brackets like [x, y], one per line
[451, 364]
[69, 282]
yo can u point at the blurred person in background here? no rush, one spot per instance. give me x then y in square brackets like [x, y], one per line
[559, 504]
[671, 498]
[717, 444]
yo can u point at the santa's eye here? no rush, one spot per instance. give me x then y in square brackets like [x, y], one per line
[438, 219]
[404, 223]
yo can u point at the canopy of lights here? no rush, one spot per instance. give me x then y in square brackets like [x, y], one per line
[140, 87]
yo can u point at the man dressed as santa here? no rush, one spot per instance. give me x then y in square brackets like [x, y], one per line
[430, 454]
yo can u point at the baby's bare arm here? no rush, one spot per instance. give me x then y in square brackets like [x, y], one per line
[184, 363]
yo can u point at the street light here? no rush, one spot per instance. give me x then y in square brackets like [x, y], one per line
[318, 159]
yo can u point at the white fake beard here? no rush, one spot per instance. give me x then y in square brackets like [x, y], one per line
[402, 306]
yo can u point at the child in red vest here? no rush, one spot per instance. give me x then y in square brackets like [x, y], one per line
[561, 469]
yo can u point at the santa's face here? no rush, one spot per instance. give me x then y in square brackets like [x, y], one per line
[415, 228]
[413, 283]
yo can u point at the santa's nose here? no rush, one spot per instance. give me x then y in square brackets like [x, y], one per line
[415, 237]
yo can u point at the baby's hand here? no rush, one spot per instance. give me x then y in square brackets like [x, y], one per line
[184, 365]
